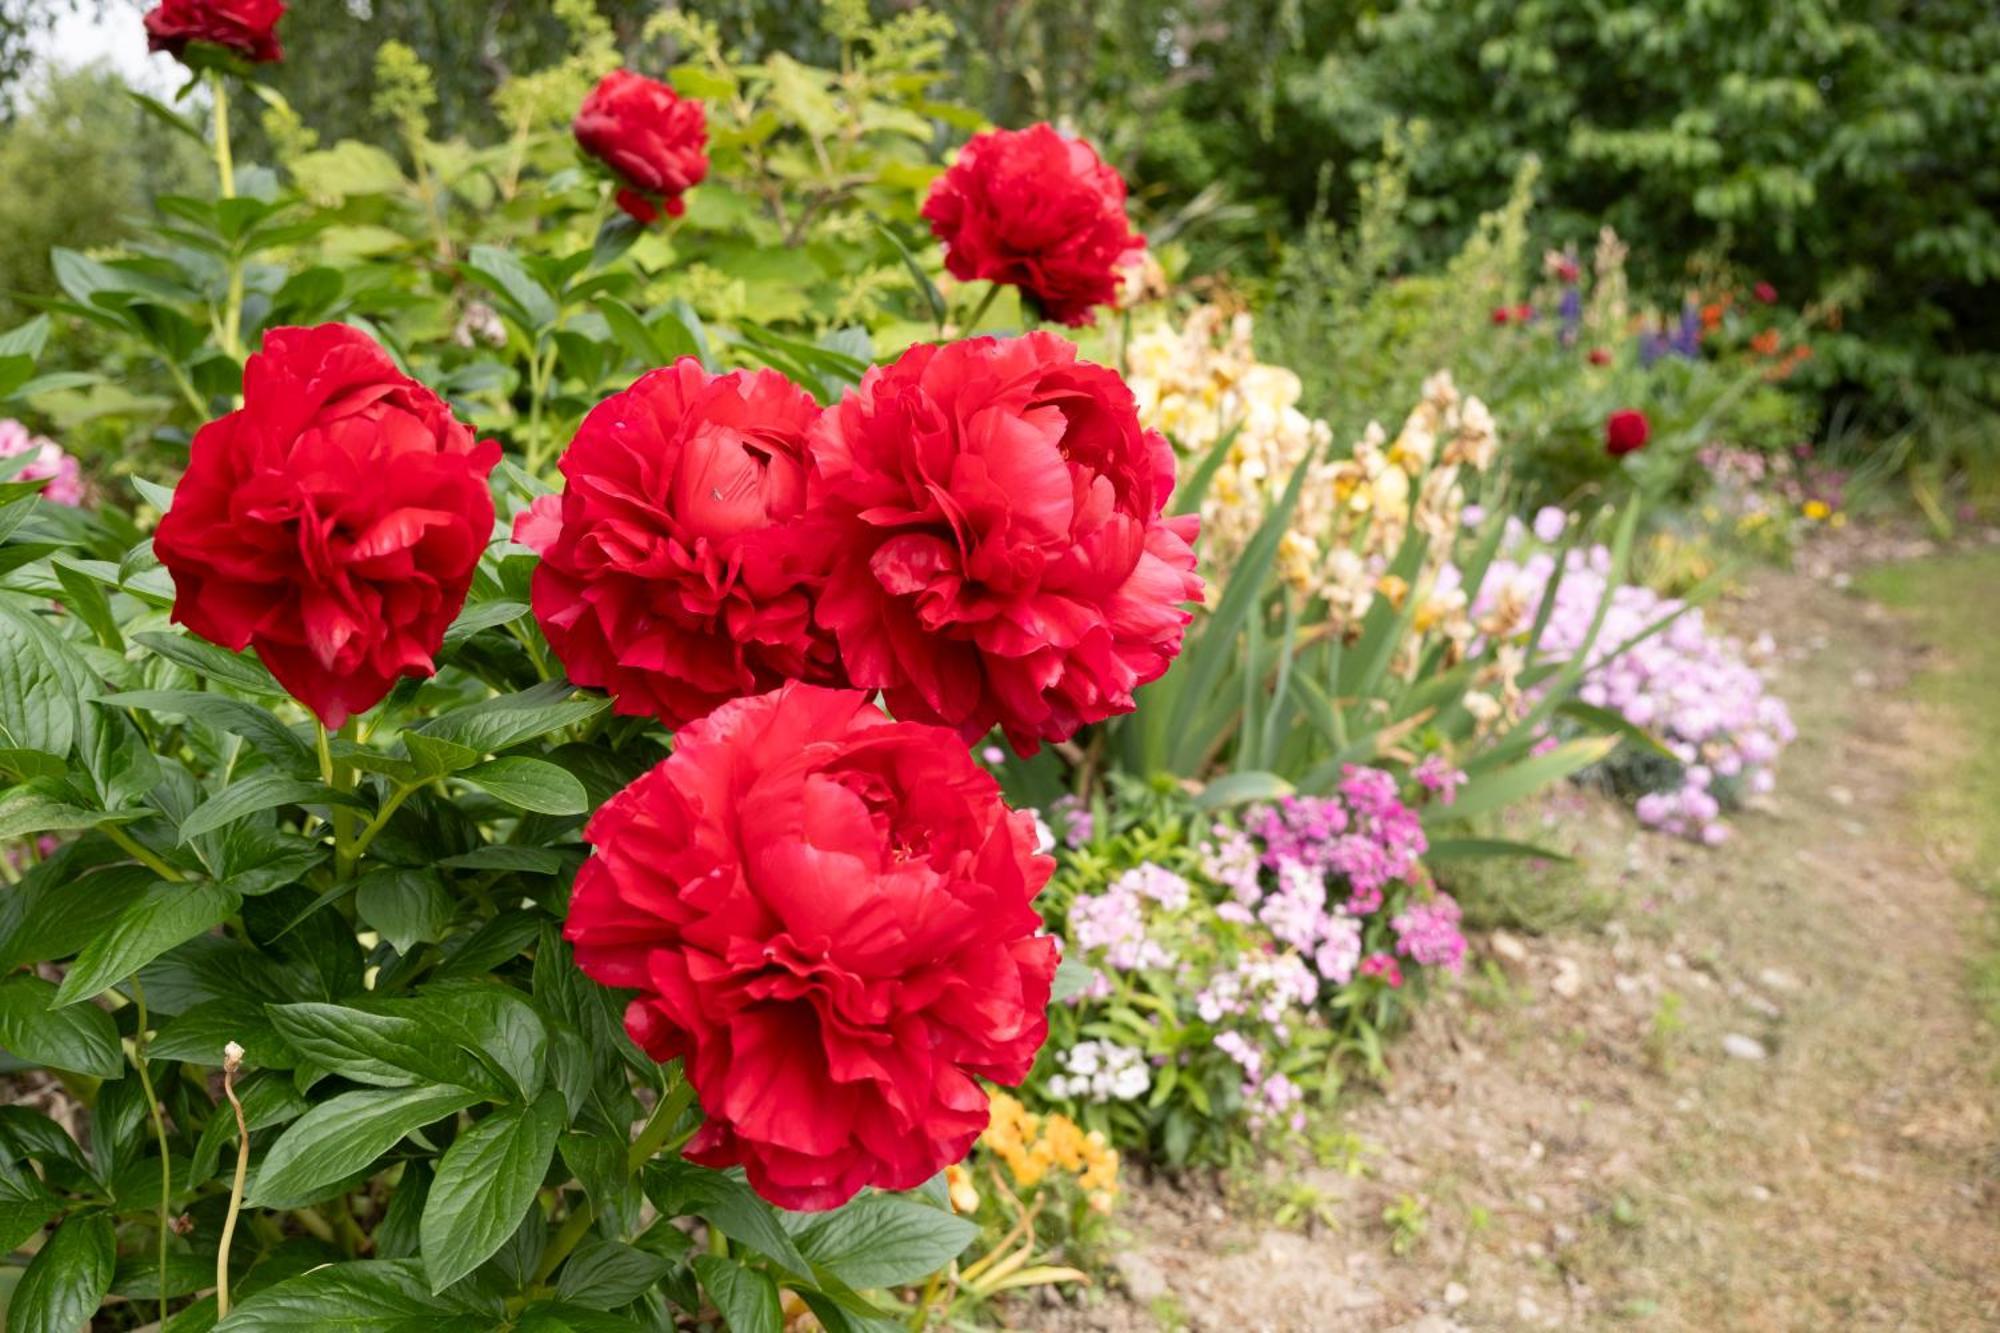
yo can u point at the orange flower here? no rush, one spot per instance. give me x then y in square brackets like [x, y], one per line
[1765, 343]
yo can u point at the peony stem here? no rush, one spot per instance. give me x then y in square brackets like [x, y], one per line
[341, 778]
[159, 1133]
[138, 853]
[225, 170]
[658, 1129]
[225, 164]
[971, 324]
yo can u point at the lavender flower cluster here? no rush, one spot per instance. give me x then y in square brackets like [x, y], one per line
[1698, 691]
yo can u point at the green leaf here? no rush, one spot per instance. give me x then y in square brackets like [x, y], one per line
[1604, 720]
[386, 1050]
[604, 1275]
[404, 906]
[344, 1135]
[85, 596]
[1072, 975]
[508, 720]
[884, 1240]
[747, 1299]
[50, 916]
[678, 1187]
[67, 1279]
[1506, 786]
[504, 275]
[199, 1035]
[79, 1040]
[165, 915]
[272, 738]
[530, 784]
[371, 1296]
[40, 684]
[482, 616]
[933, 299]
[26, 339]
[485, 1184]
[259, 791]
[1472, 849]
[26, 1205]
[1242, 787]
[28, 811]
[237, 670]
[492, 1021]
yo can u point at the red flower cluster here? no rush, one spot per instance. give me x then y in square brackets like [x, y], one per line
[332, 522]
[829, 916]
[654, 140]
[1001, 555]
[1765, 293]
[1626, 431]
[672, 565]
[1036, 210]
[246, 27]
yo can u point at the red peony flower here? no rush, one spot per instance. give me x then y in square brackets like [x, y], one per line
[829, 917]
[652, 138]
[1625, 431]
[1766, 293]
[246, 27]
[671, 566]
[332, 522]
[1501, 316]
[994, 509]
[1036, 210]
[1600, 356]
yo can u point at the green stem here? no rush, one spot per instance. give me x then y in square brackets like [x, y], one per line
[139, 853]
[225, 165]
[187, 389]
[658, 1129]
[538, 387]
[341, 778]
[979, 311]
[402, 793]
[225, 170]
[159, 1133]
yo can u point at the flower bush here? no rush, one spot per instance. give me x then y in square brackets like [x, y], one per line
[1226, 968]
[1720, 729]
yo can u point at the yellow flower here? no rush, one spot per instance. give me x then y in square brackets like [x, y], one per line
[1817, 510]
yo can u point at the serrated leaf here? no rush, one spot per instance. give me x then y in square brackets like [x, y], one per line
[344, 1135]
[165, 915]
[530, 784]
[80, 1040]
[485, 1184]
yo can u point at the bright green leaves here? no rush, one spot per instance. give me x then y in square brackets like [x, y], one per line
[747, 1298]
[485, 1184]
[382, 1049]
[530, 784]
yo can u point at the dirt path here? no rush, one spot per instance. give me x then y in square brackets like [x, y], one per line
[1758, 1097]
